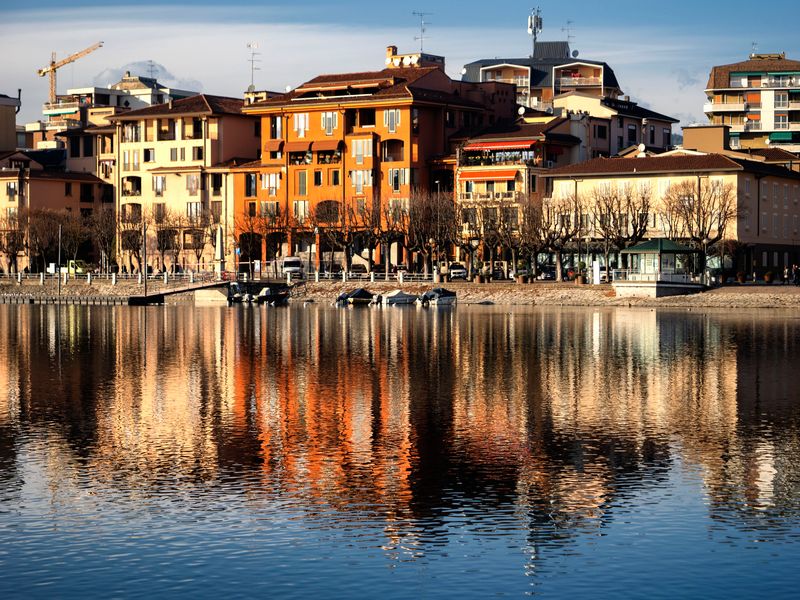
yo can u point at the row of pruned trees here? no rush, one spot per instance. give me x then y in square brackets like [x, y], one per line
[429, 225]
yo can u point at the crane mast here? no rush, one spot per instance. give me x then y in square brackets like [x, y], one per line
[55, 65]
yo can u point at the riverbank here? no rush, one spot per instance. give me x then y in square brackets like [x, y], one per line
[570, 294]
[505, 294]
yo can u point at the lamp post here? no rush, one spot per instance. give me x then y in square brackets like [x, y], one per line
[474, 243]
[438, 218]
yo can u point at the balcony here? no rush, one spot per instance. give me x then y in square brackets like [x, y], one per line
[767, 82]
[794, 106]
[579, 81]
[518, 81]
[710, 107]
[748, 126]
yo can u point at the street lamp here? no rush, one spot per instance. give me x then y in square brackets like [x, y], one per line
[438, 213]
[474, 243]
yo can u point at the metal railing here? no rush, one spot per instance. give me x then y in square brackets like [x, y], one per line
[666, 276]
[571, 81]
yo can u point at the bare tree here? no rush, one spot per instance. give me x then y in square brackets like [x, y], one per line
[338, 224]
[394, 214]
[12, 238]
[466, 233]
[620, 215]
[42, 235]
[703, 211]
[560, 225]
[273, 224]
[530, 230]
[508, 228]
[130, 225]
[74, 232]
[103, 232]
[247, 234]
[426, 225]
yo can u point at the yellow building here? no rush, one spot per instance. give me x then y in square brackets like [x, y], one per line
[171, 178]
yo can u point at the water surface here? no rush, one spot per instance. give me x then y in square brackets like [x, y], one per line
[467, 453]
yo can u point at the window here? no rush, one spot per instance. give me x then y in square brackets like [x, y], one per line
[360, 179]
[781, 99]
[317, 178]
[666, 137]
[135, 160]
[631, 135]
[450, 119]
[652, 135]
[149, 155]
[620, 142]
[397, 178]
[257, 128]
[301, 124]
[12, 212]
[251, 209]
[366, 117]
[271, 182]
[159, 184]
[68, 189]
[216, 211]
[194, 211]
[414, 120]
[250, 185]
[275, 128]
[11, 190]
[391, 119]
[183, 153]
[469, 187]
[197, 128]
[781, 121]
[173, 154]
[126, 160]
[330, 121]
[775, 226]
[747, 186]
[159, 212]
[600, 132]
[269, 209]
[785, 196]
[216, 184]
[87, 192]
[197, 153]
[302, 181]
[192, 184]
[764, 221]
[361, 149]
[131, 132]
[301, 210]
[335, 177]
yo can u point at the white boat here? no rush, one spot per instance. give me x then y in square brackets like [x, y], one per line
[398, 297]
[437, 297]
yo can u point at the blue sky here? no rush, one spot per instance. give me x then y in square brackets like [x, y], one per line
[660, 52]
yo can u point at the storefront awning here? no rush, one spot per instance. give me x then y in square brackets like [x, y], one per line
[326, 145]
[508, 145]
[485, 175]
[297, 146]
[781, 136]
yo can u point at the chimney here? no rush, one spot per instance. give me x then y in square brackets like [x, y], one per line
[391, 52]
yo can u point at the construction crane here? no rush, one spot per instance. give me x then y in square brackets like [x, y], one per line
[53, 66]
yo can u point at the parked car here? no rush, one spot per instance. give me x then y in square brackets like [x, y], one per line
[546, 273]
[606, 274]
[76, 267]
[457, 271]
[292, 265]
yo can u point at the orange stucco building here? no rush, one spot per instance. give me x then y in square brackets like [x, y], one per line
[355, 144]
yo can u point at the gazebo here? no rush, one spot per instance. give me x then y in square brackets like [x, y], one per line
[658, 268]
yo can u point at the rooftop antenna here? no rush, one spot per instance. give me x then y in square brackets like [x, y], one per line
[534, 27]
[253, 46]
[755, 49]
[151, 67]
[422, 29]
[568, 30]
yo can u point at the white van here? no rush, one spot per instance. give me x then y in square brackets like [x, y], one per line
[292, 265]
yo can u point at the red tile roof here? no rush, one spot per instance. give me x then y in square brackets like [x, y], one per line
[201, 104]
[773, 154]
[652, 164]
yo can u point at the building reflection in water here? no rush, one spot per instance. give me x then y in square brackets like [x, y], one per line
[403, 417]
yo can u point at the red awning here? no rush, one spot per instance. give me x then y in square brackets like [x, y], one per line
[273, 145]
[326, 145]
[499, 175]
[509, 145]
[297, 146]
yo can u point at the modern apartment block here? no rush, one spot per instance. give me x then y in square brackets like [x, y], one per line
[359, 142]
[171, 164]
[551, 71]
[759, 99]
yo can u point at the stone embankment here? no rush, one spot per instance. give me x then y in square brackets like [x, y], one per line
[570, 294]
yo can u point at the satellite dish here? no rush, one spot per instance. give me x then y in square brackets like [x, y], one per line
[767, 141]
[642, 147]
[288, 89]
[464, 71]
[521, 110]
[575, 54]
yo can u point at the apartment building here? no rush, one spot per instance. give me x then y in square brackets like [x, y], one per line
[171, 168]
[8, 122]
[357, 143]
[765, 232]
[552, 70]
[33, 181]
[759, 99]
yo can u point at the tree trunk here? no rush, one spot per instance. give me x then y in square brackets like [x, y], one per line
[559, 276]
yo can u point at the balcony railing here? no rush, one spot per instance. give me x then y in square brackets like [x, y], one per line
[724, 106]
[579, 81]
[666, 276]
[766, 82]
[518, 81]
[61, 105]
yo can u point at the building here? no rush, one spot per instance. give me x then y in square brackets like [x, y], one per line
[551, 71]
[171, 164]
[78, 107]
[615, 124]
[762, 233]
[759, 99]
[9, 107]
[343, 148]
[34, 182]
